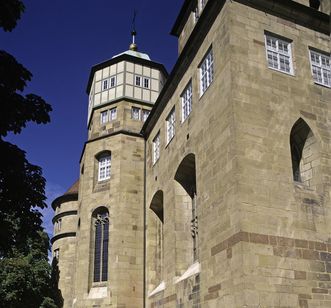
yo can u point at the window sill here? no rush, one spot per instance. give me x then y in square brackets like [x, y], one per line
[321, 85]
[282, 72]
[202, 95]
[169, 141]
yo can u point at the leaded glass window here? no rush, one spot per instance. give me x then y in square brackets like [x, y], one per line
[101, 247]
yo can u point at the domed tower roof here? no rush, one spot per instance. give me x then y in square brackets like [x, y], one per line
[70, 195]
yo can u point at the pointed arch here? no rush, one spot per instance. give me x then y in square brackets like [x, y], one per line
[304, 153]
[185, 189]
[100, 220]
[155, 239]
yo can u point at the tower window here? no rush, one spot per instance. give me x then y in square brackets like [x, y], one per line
[104, 117]
[135, 113]
[146, 83]
[104, 168]
[108, 83]
[156, 148]
[113, 114]
[145, 114]
[101, 225]
[138, 81]
[320, 68]
[56, 254]
[186, 99]
[279, 54]
[206, 71]
[105, 84]
[171, 125]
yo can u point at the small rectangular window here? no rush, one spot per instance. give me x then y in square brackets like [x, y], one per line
[146, 83]
[186, 99]
[113, 114]
[135, 113]
[104, 84]
[112, 81]
[104, 117]
[138, 81]
[206, 72]
[279, 54]
[171, 119]
[320, 68]
[145, 114]
[156, 148]
[56, 254]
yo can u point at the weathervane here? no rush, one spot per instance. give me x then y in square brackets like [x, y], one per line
[133, 45]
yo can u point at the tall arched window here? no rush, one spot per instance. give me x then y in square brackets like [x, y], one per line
[101, 239]
[304, 153]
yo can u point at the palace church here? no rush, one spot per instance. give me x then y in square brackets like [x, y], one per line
[209, 186]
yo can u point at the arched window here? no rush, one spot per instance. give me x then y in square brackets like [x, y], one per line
[186, 210]
[304, 153]
[104, 164]
[101, 239]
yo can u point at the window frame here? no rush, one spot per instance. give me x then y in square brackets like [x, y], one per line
[104, 166]
[186, 101]
[156, 148]
[101, 246]
[132, 113]
[110, 83]
[143, 113]
[171, 125]
[206, 74]
[112, 112]
[104, 117]
[278, 52]
[321, 67]
[144, 83]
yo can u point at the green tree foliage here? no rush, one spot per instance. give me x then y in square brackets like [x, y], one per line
[26, 278]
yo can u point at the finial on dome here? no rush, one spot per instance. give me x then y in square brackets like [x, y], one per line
[133, 45]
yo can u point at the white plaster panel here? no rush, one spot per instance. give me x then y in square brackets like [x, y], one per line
[129, 78]
[154, 96]
[155, 85]
[119, 79]
[137, 93]
[120, 67]
[146, 71]
[105, 72]
[111, 94]
[146, 95]
[104, 96]
[138, 69]
[119, 91]
[155, 73]
[129, 91]
[129, 67]
[97, 98]
[98, 86]
[98, 75]
[112, 69]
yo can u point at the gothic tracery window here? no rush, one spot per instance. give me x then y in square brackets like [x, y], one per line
[101, 226]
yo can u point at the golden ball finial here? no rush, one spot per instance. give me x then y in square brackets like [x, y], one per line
[133, 47]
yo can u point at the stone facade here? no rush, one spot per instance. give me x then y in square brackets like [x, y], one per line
[226, 203]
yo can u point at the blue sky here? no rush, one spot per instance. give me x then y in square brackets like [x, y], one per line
[59, 41]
